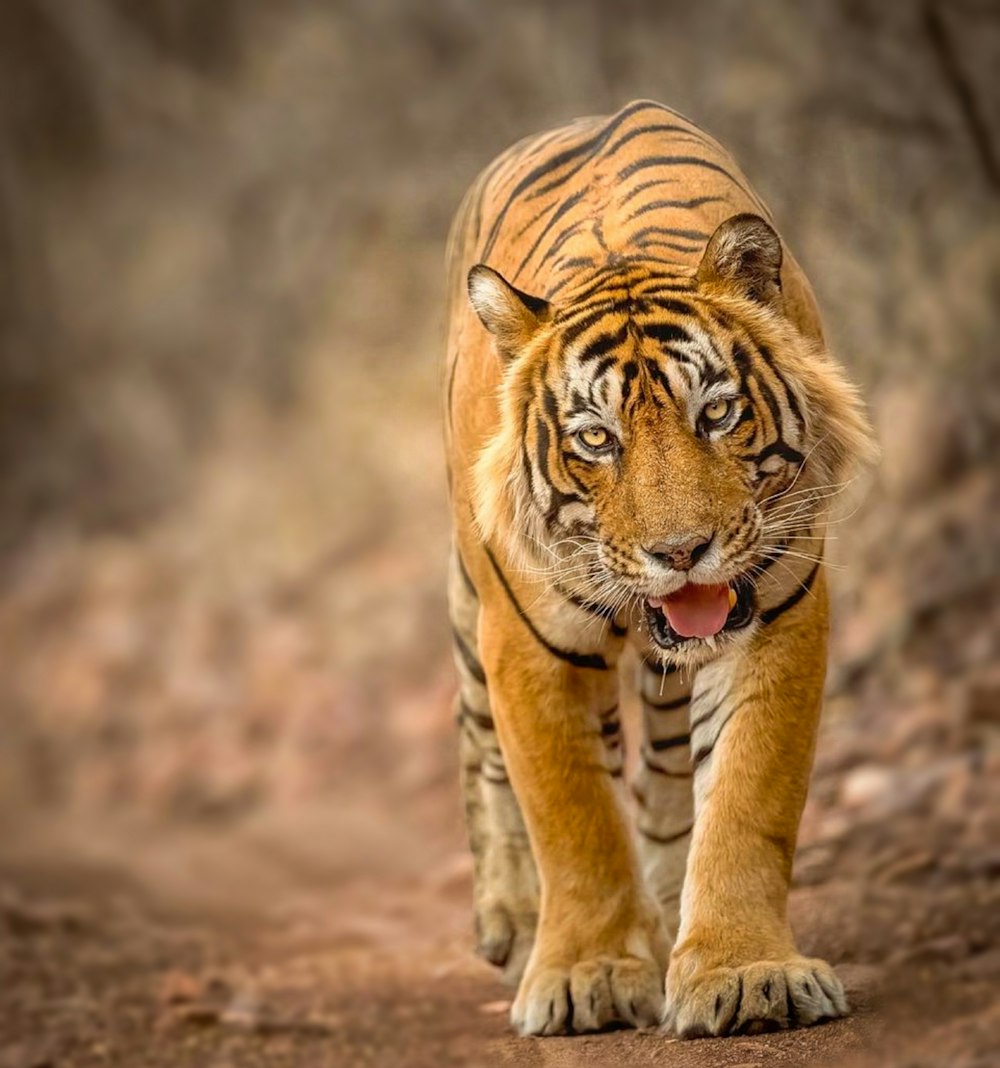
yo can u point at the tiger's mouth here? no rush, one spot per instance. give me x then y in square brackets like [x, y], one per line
[698, 613]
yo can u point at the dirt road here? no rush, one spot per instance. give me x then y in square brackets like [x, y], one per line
[340, 937]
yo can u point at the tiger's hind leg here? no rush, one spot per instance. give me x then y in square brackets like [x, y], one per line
[505, 883]
[663, 789]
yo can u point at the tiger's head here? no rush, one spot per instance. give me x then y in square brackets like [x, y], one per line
[661, 436]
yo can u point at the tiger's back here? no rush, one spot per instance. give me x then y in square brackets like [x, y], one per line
[645, 185]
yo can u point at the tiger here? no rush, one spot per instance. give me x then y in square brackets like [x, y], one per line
[645, 431]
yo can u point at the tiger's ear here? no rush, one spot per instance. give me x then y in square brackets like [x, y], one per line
[744, 254]
[510, 315]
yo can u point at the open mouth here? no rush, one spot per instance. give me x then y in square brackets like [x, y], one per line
[697, 612]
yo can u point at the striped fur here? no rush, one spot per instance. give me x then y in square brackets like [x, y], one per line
[634, 356]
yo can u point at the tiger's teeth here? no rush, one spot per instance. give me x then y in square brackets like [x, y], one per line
[732, 597]
[710, 639]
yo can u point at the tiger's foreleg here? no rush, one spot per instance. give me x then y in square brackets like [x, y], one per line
[662, 788]
[735, 966]
[505, 885]
[599, 951]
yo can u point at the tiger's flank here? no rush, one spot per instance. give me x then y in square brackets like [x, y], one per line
[645, 435]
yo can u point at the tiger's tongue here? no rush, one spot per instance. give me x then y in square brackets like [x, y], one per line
[697, 611]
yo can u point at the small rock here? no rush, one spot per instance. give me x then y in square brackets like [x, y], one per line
[864, 785]
[243, 1012]
[179, 987]
[491, 1008]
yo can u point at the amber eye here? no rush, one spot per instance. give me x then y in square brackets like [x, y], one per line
[717, 410]
[595, 437]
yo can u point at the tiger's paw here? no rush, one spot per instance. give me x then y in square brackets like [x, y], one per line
[504, 937]
[766, 996]
[588, 996]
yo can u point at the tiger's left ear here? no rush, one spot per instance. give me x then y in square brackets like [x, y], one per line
[510, 315]
[744, 254]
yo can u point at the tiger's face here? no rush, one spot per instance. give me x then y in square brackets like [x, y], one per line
[649, 431]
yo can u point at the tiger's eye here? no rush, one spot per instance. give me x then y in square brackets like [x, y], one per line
[717, 410]
[595, 437]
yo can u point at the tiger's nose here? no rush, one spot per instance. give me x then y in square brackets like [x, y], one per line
[680, 553]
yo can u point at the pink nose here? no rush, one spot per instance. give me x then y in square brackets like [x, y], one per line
[680, 553]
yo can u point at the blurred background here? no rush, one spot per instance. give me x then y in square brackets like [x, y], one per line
[228, 789]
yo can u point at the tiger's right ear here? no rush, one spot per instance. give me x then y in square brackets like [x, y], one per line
[510, 315]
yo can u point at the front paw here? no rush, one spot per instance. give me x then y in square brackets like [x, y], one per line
[589, 995]
[764, 996]
[613, 975]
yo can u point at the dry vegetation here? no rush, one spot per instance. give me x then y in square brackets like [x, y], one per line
[223, 527]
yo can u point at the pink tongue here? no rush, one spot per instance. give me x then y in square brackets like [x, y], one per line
[697, 611]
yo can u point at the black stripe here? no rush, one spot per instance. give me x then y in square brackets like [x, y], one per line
[658, 668]
[771, 614]
[643, 186]
[703, 752]
[531, 222]
[767, 395]
[657, 374]
[742, 360]
[666, 839]
[603, 289]
[782, 449]
[574, 261]
[566, 205]
[654, 205]
[595, 609]
[452, 371]
[604, 344]
[659, 128]
[701, 755]
[657, 770]
[581, 660]
[587, 149]
[793, 403]
[666, 333]
[674, 161]
[563, 236]
[659, 744]
[481, 719]
[744, 415]
[583, 324]
[466, 577]
[667, 706]
[669, 231]
[602, 369]
[777, 552]
[704, 717]
[601, 141]
[469, 658]
[672, 245]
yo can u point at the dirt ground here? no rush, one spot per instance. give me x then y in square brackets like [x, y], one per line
[339, 933]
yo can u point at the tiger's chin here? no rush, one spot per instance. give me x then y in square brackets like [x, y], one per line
[679, 650]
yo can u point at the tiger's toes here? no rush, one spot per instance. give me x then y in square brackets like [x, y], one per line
[588, 996]
[767, 996]
[504, 938]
